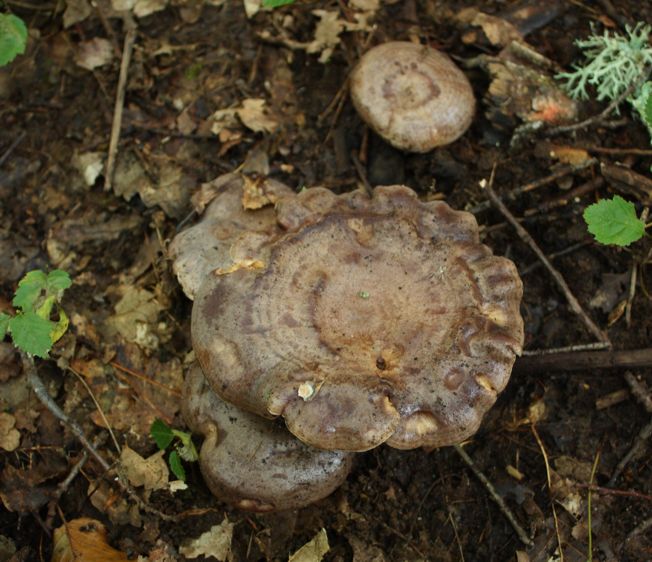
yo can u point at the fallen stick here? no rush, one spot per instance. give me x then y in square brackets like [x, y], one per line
[584, 361]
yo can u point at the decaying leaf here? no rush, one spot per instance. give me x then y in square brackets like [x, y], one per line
[94, 53]
[9, 435]
[152, 472]
[135, 313]
[114, 504]
[255, 116]
[215, 542]
[312, 551]
[84, 539]
[76, 11]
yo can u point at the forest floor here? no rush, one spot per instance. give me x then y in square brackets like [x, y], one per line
[211, 89]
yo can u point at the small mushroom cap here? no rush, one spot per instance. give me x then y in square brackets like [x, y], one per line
[228, 235]
[255, 463]
[371, 320]
[412, 95]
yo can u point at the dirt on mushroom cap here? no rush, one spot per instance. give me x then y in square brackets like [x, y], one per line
[371, 320]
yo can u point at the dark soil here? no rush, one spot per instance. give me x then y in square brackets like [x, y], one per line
[396, 505]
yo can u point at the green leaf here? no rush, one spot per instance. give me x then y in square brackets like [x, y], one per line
[276, 3]
[4, 324]
[29, 290]
[176, 467]
[13, 38]
[161, 433]
[57, 282]
[614, 221]
[31, 333]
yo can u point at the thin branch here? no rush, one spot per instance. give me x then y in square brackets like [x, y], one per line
[130, 38]
[522, 535]
[561, 283]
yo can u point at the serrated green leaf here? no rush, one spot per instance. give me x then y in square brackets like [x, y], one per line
[4, 324]
[13, 38]
[31, 333]
[57, 282]
[161, 433]
[176, 467]
[614, 221]
[276, 3]
[29, 290]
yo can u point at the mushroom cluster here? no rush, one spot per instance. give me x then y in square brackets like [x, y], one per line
[359, 320]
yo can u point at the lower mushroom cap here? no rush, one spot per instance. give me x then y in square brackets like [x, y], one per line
[378, 320]
[253, 462]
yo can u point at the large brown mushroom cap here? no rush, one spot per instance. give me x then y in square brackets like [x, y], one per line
[255, 463]
[412, 95]
[371, 320]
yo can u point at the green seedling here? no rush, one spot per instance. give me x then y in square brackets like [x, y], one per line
[182, 446]
[13, 38]
[614, 221]
[38, 301]
[616, 65]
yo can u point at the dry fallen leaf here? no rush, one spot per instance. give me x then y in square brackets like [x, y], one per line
[82, 540]
[312, 551]
[255, 116]
[152, 472]
[94, 53]
[9, 435]
[215, 542]
[135, 314]
[76, 11]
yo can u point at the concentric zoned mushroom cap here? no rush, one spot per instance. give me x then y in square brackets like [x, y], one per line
[255, 463]
[412, 95]
[370, 320]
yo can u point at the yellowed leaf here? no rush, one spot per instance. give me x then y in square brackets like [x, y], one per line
[215, 542]
[312, 551]
[152, 472]
[82, 540]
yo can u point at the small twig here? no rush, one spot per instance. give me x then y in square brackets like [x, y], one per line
[637, 447]
[566, 349]
[569, 250]
[640, 391]
[362, 174]
[549, 480]
[561, 283]
[584, 361]
[522, 535]
[12, 147]
[589, 506]
[562, 171]
[640, 529]
[99, 408]
[612, 492]
[130, 38]
[631, 294]
[617, 151]
[63, 487]
[42, 394]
